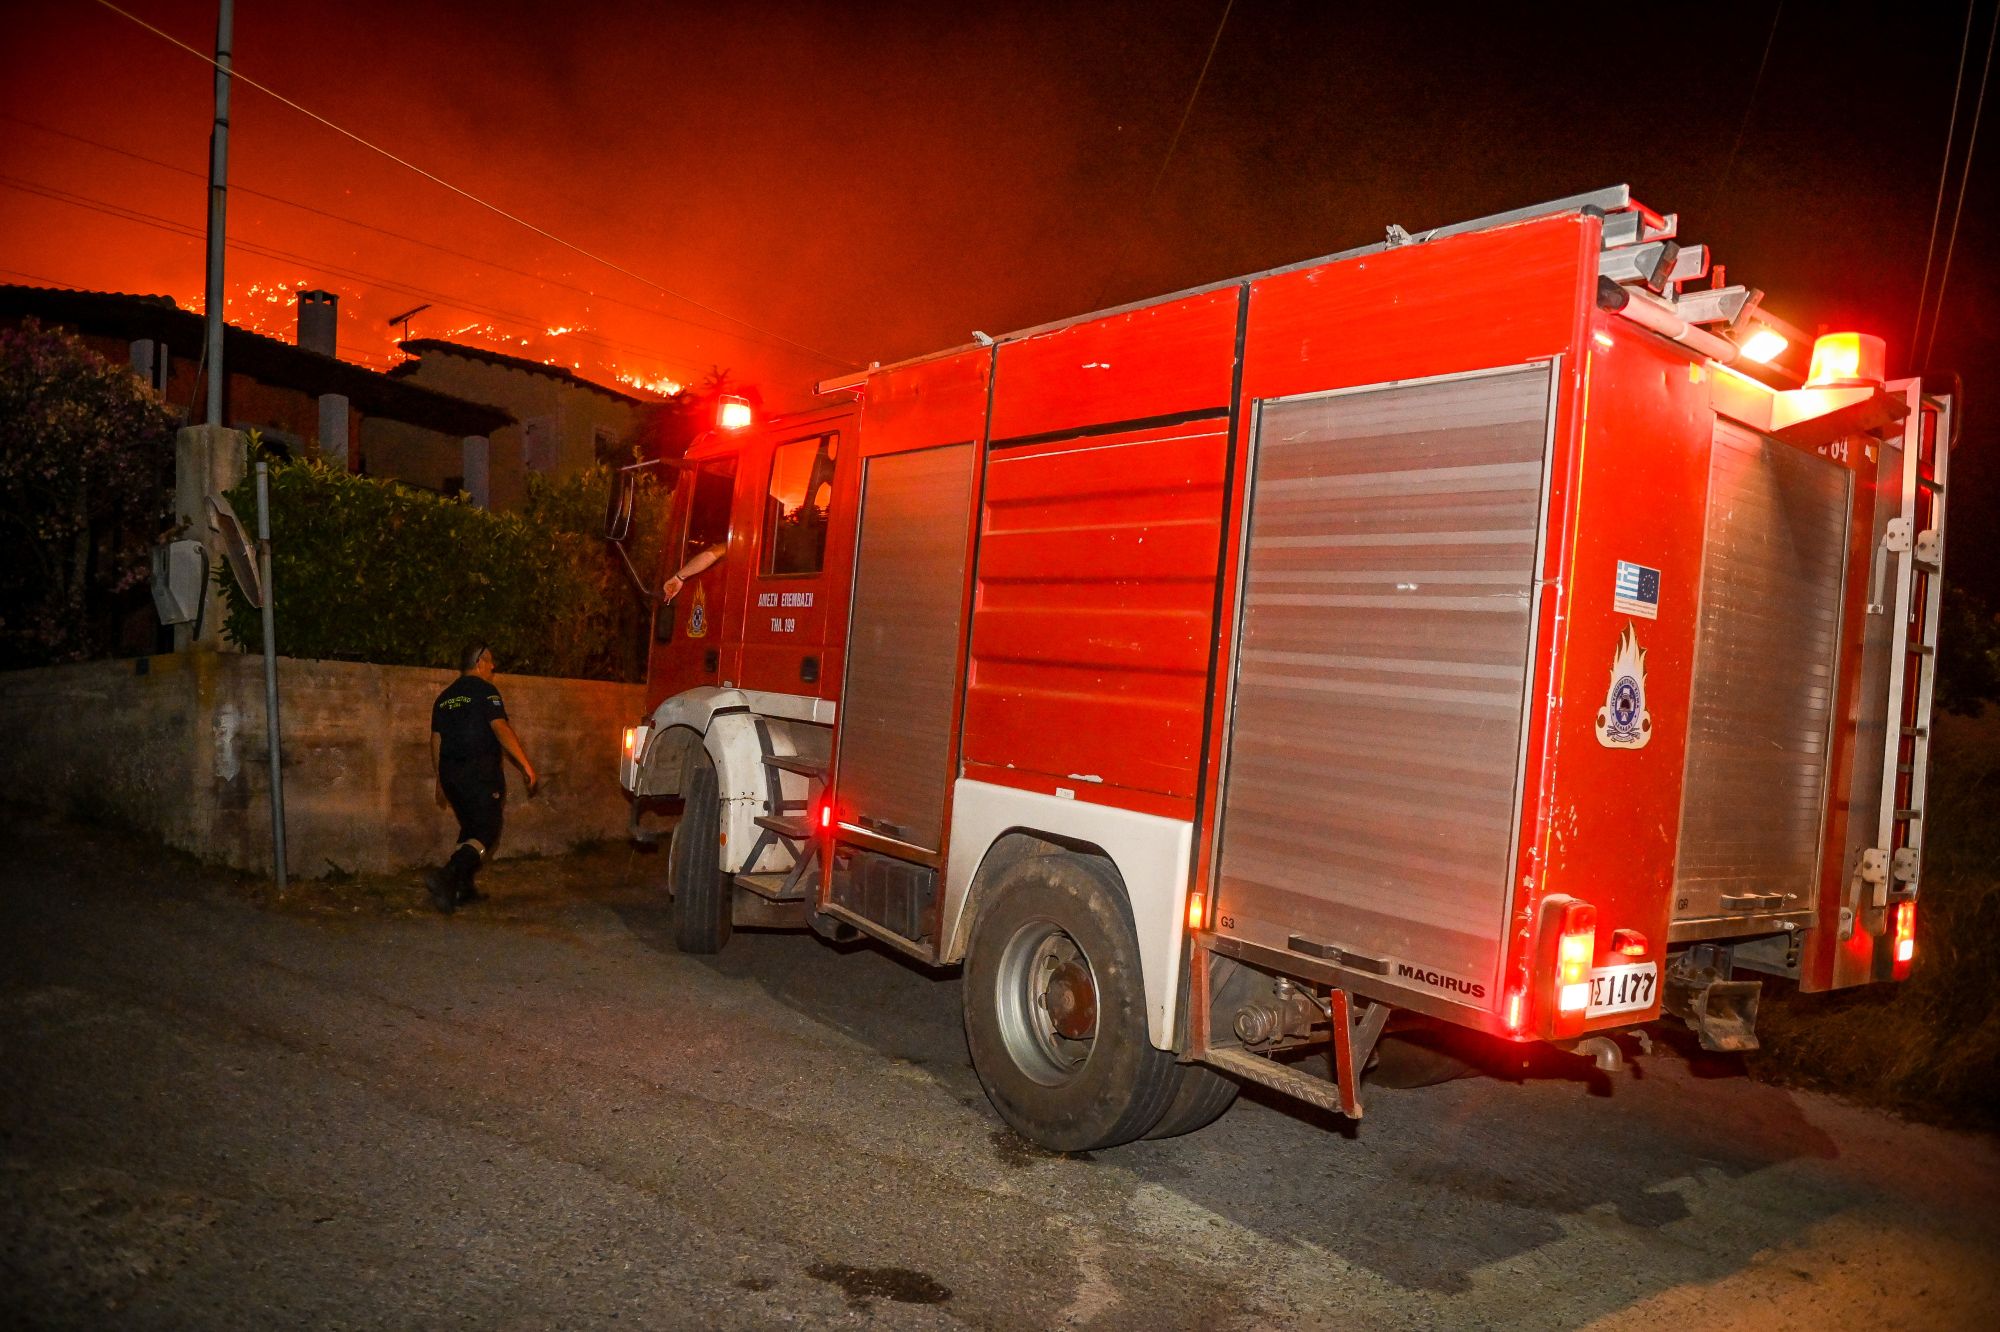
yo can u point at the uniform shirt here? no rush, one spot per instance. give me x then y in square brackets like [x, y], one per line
[463, 718]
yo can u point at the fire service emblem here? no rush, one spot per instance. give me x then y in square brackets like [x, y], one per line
[1623, 722]
[697, 625]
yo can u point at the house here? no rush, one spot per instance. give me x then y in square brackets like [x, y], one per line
[302, 398]
[563, 422]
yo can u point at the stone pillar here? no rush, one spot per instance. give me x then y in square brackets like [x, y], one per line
[333, 431]
[478, 470]
[208, 460]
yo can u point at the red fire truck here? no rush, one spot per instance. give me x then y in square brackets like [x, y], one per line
[1507, 627]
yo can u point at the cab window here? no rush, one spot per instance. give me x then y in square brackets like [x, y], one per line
[709, 505]
[708, 492]
[795, 507]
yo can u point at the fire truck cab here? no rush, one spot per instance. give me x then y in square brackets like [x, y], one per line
[1506, 626]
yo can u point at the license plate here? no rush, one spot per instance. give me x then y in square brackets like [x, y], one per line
[1622, 989]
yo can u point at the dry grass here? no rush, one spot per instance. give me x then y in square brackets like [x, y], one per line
[1929, 1047]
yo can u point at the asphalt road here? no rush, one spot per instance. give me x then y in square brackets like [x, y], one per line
[340, 1111]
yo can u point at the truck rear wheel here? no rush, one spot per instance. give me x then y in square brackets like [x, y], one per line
[1055, 1008]
[1421, 1055]
[1205, 1095]
[694, 863]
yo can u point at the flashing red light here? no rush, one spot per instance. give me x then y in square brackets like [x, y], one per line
[825, 814]
[1628, 943]
[732, 413]
[1517, 1010]
[1905, 918]
[1575, 951]
[1843, 359]
[1197, 910]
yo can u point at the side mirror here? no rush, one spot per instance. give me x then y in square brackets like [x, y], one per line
[618, 507]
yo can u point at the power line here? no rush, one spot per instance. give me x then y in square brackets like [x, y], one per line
[1749, 107]
[357, 275]
[1944, 175]
[1964, 175]
[440, 181]
[650, 312]
[1187, 112]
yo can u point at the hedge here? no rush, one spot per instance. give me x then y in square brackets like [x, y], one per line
[369, 570]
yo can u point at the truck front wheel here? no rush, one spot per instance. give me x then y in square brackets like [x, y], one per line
[694, 862]
[1055, 1008]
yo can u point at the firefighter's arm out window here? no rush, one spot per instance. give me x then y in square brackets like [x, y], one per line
[795, 509]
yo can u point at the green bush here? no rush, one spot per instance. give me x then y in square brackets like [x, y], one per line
[369, 570]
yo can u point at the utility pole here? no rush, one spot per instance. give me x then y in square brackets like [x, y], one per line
[271, 725]
[218, 199]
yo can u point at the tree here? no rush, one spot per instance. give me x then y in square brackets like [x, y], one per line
[86, 489]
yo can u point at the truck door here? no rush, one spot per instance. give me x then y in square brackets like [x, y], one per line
[1762, 707]
[784, 631]
[689, 632]
[1383, 663]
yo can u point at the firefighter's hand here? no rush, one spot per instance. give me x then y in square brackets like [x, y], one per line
[672, 588]
[439, 793]
[534, 783]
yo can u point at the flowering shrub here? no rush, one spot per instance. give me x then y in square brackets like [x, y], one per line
[86, 489]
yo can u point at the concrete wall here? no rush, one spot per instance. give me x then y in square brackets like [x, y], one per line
[175, 745]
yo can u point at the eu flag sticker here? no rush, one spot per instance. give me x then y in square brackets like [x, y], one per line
[1638, 591]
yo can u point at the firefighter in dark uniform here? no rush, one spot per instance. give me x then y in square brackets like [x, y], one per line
[469, 734]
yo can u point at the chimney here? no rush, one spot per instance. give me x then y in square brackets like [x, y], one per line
[319, 321]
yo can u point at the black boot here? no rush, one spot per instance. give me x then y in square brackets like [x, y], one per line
[464, 865]
[442, 889]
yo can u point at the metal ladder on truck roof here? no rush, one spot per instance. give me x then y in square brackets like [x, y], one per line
[1916, 537]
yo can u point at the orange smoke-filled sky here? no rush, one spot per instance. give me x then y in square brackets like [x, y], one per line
[870, 181]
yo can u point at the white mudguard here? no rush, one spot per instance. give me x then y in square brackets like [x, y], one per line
[727, 726]
[1152, 855]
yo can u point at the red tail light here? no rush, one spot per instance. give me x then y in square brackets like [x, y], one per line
[825, 813]
[1575, 951]
[1565, 951]
[1905, 920]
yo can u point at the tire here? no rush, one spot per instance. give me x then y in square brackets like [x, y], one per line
[1205, 1095]
[1055, 1008]
[1417, 1057]
[694, 873]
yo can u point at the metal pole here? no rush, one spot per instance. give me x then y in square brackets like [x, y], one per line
[218, 198]
[271, 672]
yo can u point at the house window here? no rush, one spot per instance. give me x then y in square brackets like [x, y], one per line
[795, 512]
[541, 446]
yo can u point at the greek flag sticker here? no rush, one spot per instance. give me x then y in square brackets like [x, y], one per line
[1638, 591]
